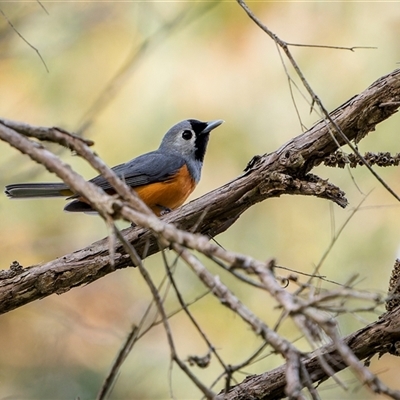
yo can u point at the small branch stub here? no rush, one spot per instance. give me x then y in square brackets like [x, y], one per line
[394, 288]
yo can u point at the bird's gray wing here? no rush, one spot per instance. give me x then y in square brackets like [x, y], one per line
[148, 168]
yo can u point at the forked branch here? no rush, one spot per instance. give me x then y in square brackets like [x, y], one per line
[284, 171]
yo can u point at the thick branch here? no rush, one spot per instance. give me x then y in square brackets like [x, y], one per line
[365, 343]
[281, 172]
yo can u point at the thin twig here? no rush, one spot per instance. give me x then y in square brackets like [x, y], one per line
[26, 41]
[315, 98]
[109, 382]
[43, 7]
[324, 46]
[336, 237]
[185, 308]
[156, 296]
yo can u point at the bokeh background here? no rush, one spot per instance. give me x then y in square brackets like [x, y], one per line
[209, 62]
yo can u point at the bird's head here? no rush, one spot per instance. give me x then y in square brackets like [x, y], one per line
[189, 138]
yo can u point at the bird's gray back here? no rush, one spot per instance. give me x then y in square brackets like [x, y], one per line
[148, 168]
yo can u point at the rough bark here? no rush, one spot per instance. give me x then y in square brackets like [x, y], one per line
[284, 171]
[377, 338]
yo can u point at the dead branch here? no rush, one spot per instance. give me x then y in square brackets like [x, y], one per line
[377, 338]
[335, 128]
[284, 171]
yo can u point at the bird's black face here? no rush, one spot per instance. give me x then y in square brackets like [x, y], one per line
[202, 136]
[202, 132]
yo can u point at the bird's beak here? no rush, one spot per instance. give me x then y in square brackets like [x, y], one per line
[212, 125]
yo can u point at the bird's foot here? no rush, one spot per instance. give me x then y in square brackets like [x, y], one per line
[164, 210]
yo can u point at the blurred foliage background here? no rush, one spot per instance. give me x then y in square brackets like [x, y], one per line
[179, 60]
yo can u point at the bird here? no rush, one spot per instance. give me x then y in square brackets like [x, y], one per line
[163, 178]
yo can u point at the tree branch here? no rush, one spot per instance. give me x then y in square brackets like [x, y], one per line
[284, 171]
[365, 343]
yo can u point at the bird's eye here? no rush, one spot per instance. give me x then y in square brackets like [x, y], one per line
[187, 134]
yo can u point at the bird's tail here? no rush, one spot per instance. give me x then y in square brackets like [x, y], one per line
[26, 190]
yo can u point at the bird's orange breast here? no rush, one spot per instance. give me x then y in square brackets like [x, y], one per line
[171, 193]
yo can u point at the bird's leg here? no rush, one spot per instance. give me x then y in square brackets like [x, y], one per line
[164, 210]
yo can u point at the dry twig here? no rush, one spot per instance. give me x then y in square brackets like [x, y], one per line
[285, 171]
